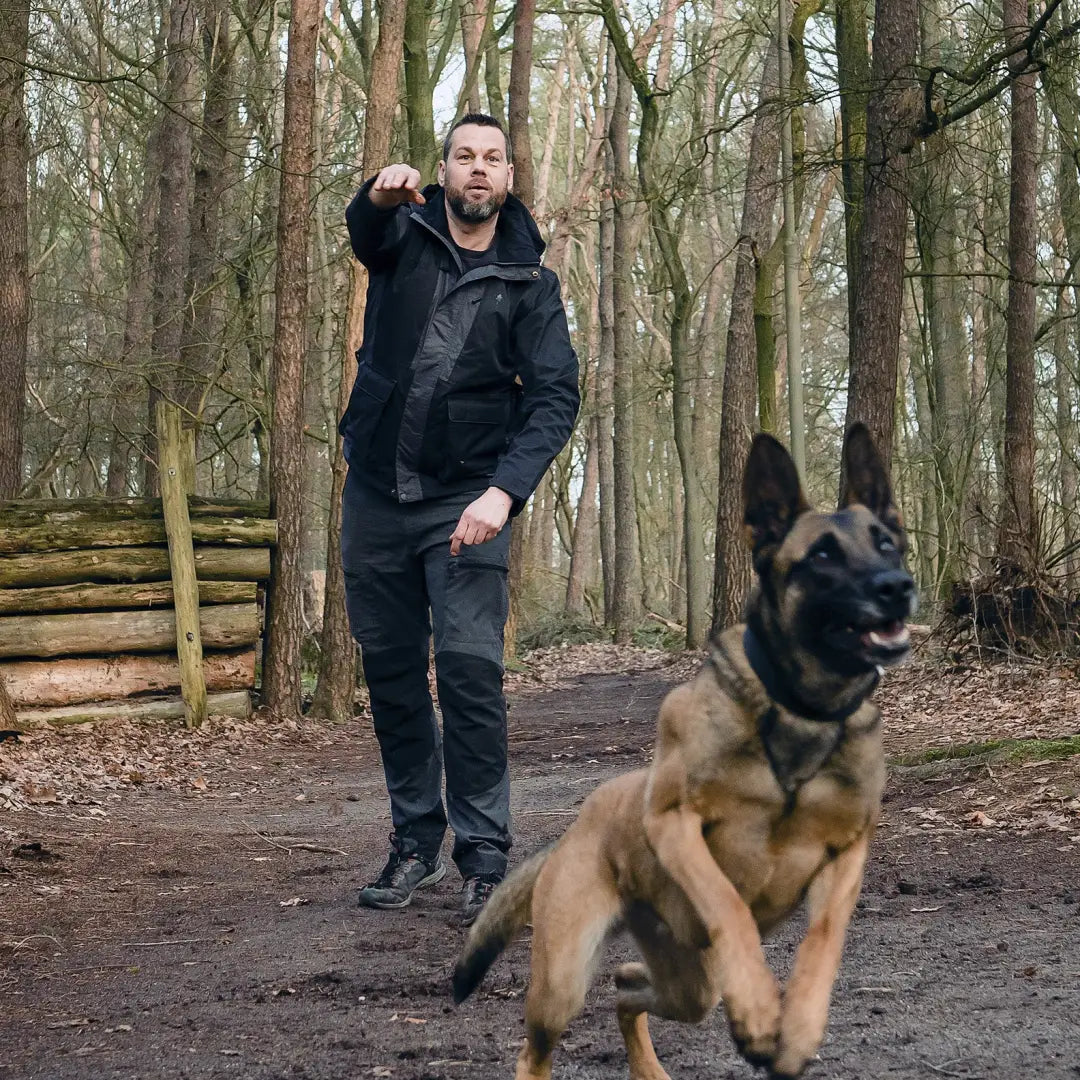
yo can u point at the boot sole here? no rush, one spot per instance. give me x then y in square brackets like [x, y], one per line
[432, 879]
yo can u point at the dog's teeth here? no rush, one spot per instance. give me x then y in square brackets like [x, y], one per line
[875, 638]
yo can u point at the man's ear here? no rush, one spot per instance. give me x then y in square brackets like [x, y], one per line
[510, 177]
[442, 174]
[865, 478]
[772, 494]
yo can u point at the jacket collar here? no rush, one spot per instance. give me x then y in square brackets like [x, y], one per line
[517, 239]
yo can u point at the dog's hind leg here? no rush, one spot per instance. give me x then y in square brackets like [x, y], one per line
[633, 983]
[574, 905]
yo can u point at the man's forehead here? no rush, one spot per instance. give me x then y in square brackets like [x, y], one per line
[477, 137]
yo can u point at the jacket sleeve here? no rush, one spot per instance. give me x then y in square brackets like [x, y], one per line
[376, 235]
[548, 369]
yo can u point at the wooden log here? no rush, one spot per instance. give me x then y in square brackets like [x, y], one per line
[117, 597]
[73, 680]
[236, 704]
[222, 626]
[70, 536]
[129, 564]
[177, 478]
[23, 513]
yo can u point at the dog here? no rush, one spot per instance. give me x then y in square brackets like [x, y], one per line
[764, 790]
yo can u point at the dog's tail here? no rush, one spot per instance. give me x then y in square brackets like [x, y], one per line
[500, 919]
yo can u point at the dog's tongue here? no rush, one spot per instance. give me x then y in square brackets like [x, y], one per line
[892, 635]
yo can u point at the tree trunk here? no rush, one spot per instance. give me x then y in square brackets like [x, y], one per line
[285, 622]
[336, 686]
[127, 438]
[950, 432]
[1018, 538]
[423, 153]
[472, 32]
[14, 267]
[520, 85]
[174, 219]
[66, 536]
[853, 74]
[893, 107]
[626, 605]
[492, 72]
[732, 574]
[605, 368]
[199, 354]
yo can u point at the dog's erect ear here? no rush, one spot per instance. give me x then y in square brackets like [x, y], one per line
[865, 478]
[772, 495]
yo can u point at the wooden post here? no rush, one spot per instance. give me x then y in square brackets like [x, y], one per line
[172, 472]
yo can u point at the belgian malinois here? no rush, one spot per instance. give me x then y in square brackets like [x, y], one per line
[765, 788]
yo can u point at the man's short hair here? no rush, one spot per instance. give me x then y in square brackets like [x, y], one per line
[480, 120]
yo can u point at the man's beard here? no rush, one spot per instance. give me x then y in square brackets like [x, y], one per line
[475, 213]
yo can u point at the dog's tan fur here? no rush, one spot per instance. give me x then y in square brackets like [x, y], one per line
[714, 844]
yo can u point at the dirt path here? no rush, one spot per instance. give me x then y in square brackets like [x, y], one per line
[210, 930]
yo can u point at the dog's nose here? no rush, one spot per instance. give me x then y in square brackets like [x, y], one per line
[892, 588]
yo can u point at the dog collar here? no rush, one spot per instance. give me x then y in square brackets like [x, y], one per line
[779, 691]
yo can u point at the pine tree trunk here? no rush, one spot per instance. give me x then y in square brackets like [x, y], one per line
[731, 581]
[199, 353]
[520, 84]
[281, 670]
[893, 106]
[1018, 527]
[336, 686]
[173, 222]
[14, 267]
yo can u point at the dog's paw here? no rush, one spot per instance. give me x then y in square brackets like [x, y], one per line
[787, 1065]
[754, 1018]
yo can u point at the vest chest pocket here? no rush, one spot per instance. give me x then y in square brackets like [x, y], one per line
[476, 432]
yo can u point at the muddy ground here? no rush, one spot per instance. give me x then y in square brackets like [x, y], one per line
[208, 928]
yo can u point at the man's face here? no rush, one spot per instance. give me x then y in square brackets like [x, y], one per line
[476, 174]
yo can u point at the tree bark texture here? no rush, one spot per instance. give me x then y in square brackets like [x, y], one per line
[892, 109]
[129, 564]
[174, 219]
[224, 626]
[72, 680]
[14, 266]
[1018, 539]
[520, 85]
[336, 685]
[732, 572]
[285, 624]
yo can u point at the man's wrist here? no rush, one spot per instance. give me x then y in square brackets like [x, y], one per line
[505, 494]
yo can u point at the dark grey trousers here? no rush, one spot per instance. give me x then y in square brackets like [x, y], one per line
[401, 583]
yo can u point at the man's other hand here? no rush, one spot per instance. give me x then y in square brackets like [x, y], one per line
[396, 184]
[483, 519]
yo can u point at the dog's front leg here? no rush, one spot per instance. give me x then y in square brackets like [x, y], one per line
[830, 902]
[747, 986]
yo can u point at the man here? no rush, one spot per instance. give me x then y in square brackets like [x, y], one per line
[466, 390]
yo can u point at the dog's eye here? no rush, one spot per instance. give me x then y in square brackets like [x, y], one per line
[823, 555]
[885, 543]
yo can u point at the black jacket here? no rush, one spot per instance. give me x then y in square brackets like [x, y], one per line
[465, 379]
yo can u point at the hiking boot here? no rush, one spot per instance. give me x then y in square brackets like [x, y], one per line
[475, 893]
[404, 873]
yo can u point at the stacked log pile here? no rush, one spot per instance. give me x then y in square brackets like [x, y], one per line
[87, 617]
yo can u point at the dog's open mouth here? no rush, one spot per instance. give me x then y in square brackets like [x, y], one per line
[888, 637]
